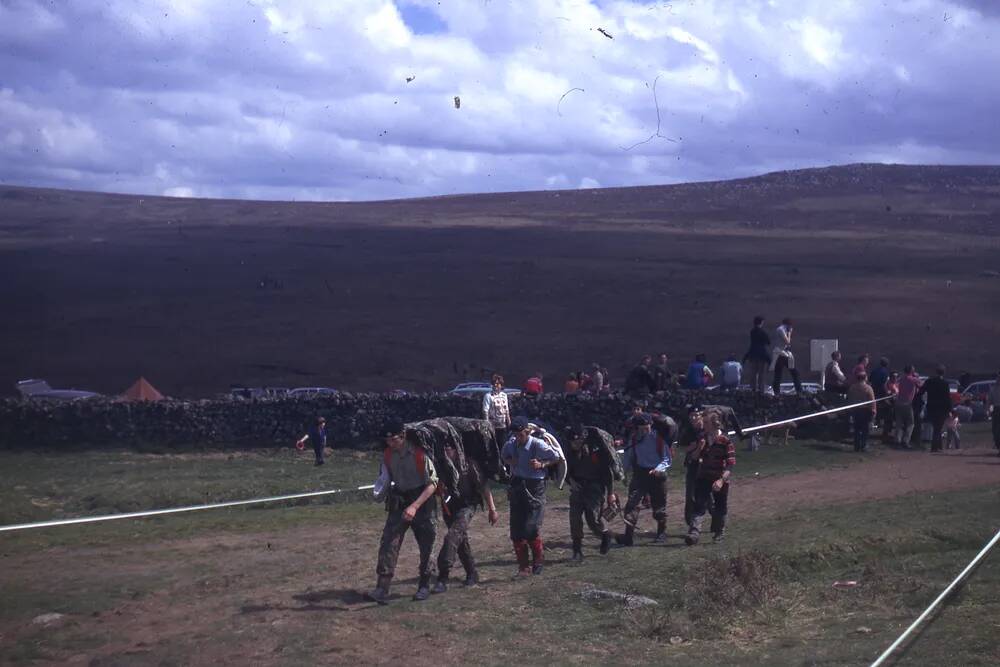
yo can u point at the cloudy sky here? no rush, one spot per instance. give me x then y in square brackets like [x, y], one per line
[356, 99]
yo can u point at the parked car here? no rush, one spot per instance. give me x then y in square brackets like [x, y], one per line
[312, 392]
[251, 393]
[40, 389]
[978, 392]
[478, 389]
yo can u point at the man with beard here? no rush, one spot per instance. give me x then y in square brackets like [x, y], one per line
[592, 468]
[528, 458]
[647, 456]
[411, 479]
[474, 490]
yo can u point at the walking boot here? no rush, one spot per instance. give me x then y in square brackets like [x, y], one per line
[521, 551]
[537, 556]
[661, 531]
[441, 586]
[691, 538]
[719, 535]
[577, 556]
[380, 594]
[423, 590]
[605, 542]
[472, 579]
[626, 539]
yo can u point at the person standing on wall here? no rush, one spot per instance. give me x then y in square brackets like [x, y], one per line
[782, 358]
[758, 355]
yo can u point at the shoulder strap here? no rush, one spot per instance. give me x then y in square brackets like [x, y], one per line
[419, 458]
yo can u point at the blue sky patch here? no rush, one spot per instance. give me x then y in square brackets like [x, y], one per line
[421, 20]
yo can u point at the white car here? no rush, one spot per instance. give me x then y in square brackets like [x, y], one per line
[479, 389]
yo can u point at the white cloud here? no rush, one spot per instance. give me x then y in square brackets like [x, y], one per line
[296, 99]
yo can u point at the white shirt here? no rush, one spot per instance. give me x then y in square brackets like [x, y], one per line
[496, 409]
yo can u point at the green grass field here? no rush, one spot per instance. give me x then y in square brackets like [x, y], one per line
[764, 596]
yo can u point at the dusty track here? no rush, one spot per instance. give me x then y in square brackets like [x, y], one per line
[260, 598]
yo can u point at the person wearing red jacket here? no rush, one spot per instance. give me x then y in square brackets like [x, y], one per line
[533, 385]
[715, 456]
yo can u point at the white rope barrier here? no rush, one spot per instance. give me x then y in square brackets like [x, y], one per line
[176, 510]
[314, 494]
[944, 594]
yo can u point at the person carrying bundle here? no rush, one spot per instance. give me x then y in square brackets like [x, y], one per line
[528, 457]
[647, 456]
[410, 480]
[592, 468]
[714, 454]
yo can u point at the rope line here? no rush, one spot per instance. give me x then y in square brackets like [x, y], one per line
[944, 594]
[314, 494]
[176, 510]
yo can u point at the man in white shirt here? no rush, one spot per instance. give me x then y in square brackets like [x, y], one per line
[782, 357]
[496, 410]
[833, 377]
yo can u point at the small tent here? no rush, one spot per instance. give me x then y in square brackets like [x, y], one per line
[141, 390]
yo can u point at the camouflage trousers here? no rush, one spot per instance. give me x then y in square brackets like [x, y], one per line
[585, 500]
[424, 526]
[641, 485]
[456, 543]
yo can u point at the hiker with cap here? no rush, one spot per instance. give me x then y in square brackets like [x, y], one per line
[647, 456]
[714, 455]
[528, 458]
[412, 480]
[592, 466]
[691, 432]
[473, 491]
[316, 434]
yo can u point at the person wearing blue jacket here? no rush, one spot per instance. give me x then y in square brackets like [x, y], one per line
[647, 456]
[528, 458]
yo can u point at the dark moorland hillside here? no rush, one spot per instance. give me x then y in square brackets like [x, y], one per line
[96, 289]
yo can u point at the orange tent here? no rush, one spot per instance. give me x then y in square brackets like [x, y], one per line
[142, 391]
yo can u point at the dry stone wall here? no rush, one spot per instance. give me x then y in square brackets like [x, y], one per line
[353, 420]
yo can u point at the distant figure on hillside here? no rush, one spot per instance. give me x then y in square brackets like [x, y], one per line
[496, 409]
[861, 417]
[938, 395]
[639, 381]
[782, 357]
[834, 379]
[584, 379]
[758, 356]
[699, 374]
[533, 386]
[316, 434]
[572, 385]
[662, 377]
[731, 374]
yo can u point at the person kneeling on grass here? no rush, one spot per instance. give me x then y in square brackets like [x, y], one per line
[715, 456]
[410, 483]
[527, 457]
[474, 489]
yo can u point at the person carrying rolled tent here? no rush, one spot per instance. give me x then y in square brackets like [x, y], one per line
[528, 458]
[317, 435]
[496, 409]
[412, 480]
[647, 456]
[715, 456]
[473, 491]
[592, 468]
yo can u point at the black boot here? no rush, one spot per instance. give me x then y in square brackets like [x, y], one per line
[423, 590]
[605, 542]
[577, 556]
[661, 531]
[381, 592]
[626, 539]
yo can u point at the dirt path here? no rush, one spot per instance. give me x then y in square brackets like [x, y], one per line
[274, 597]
